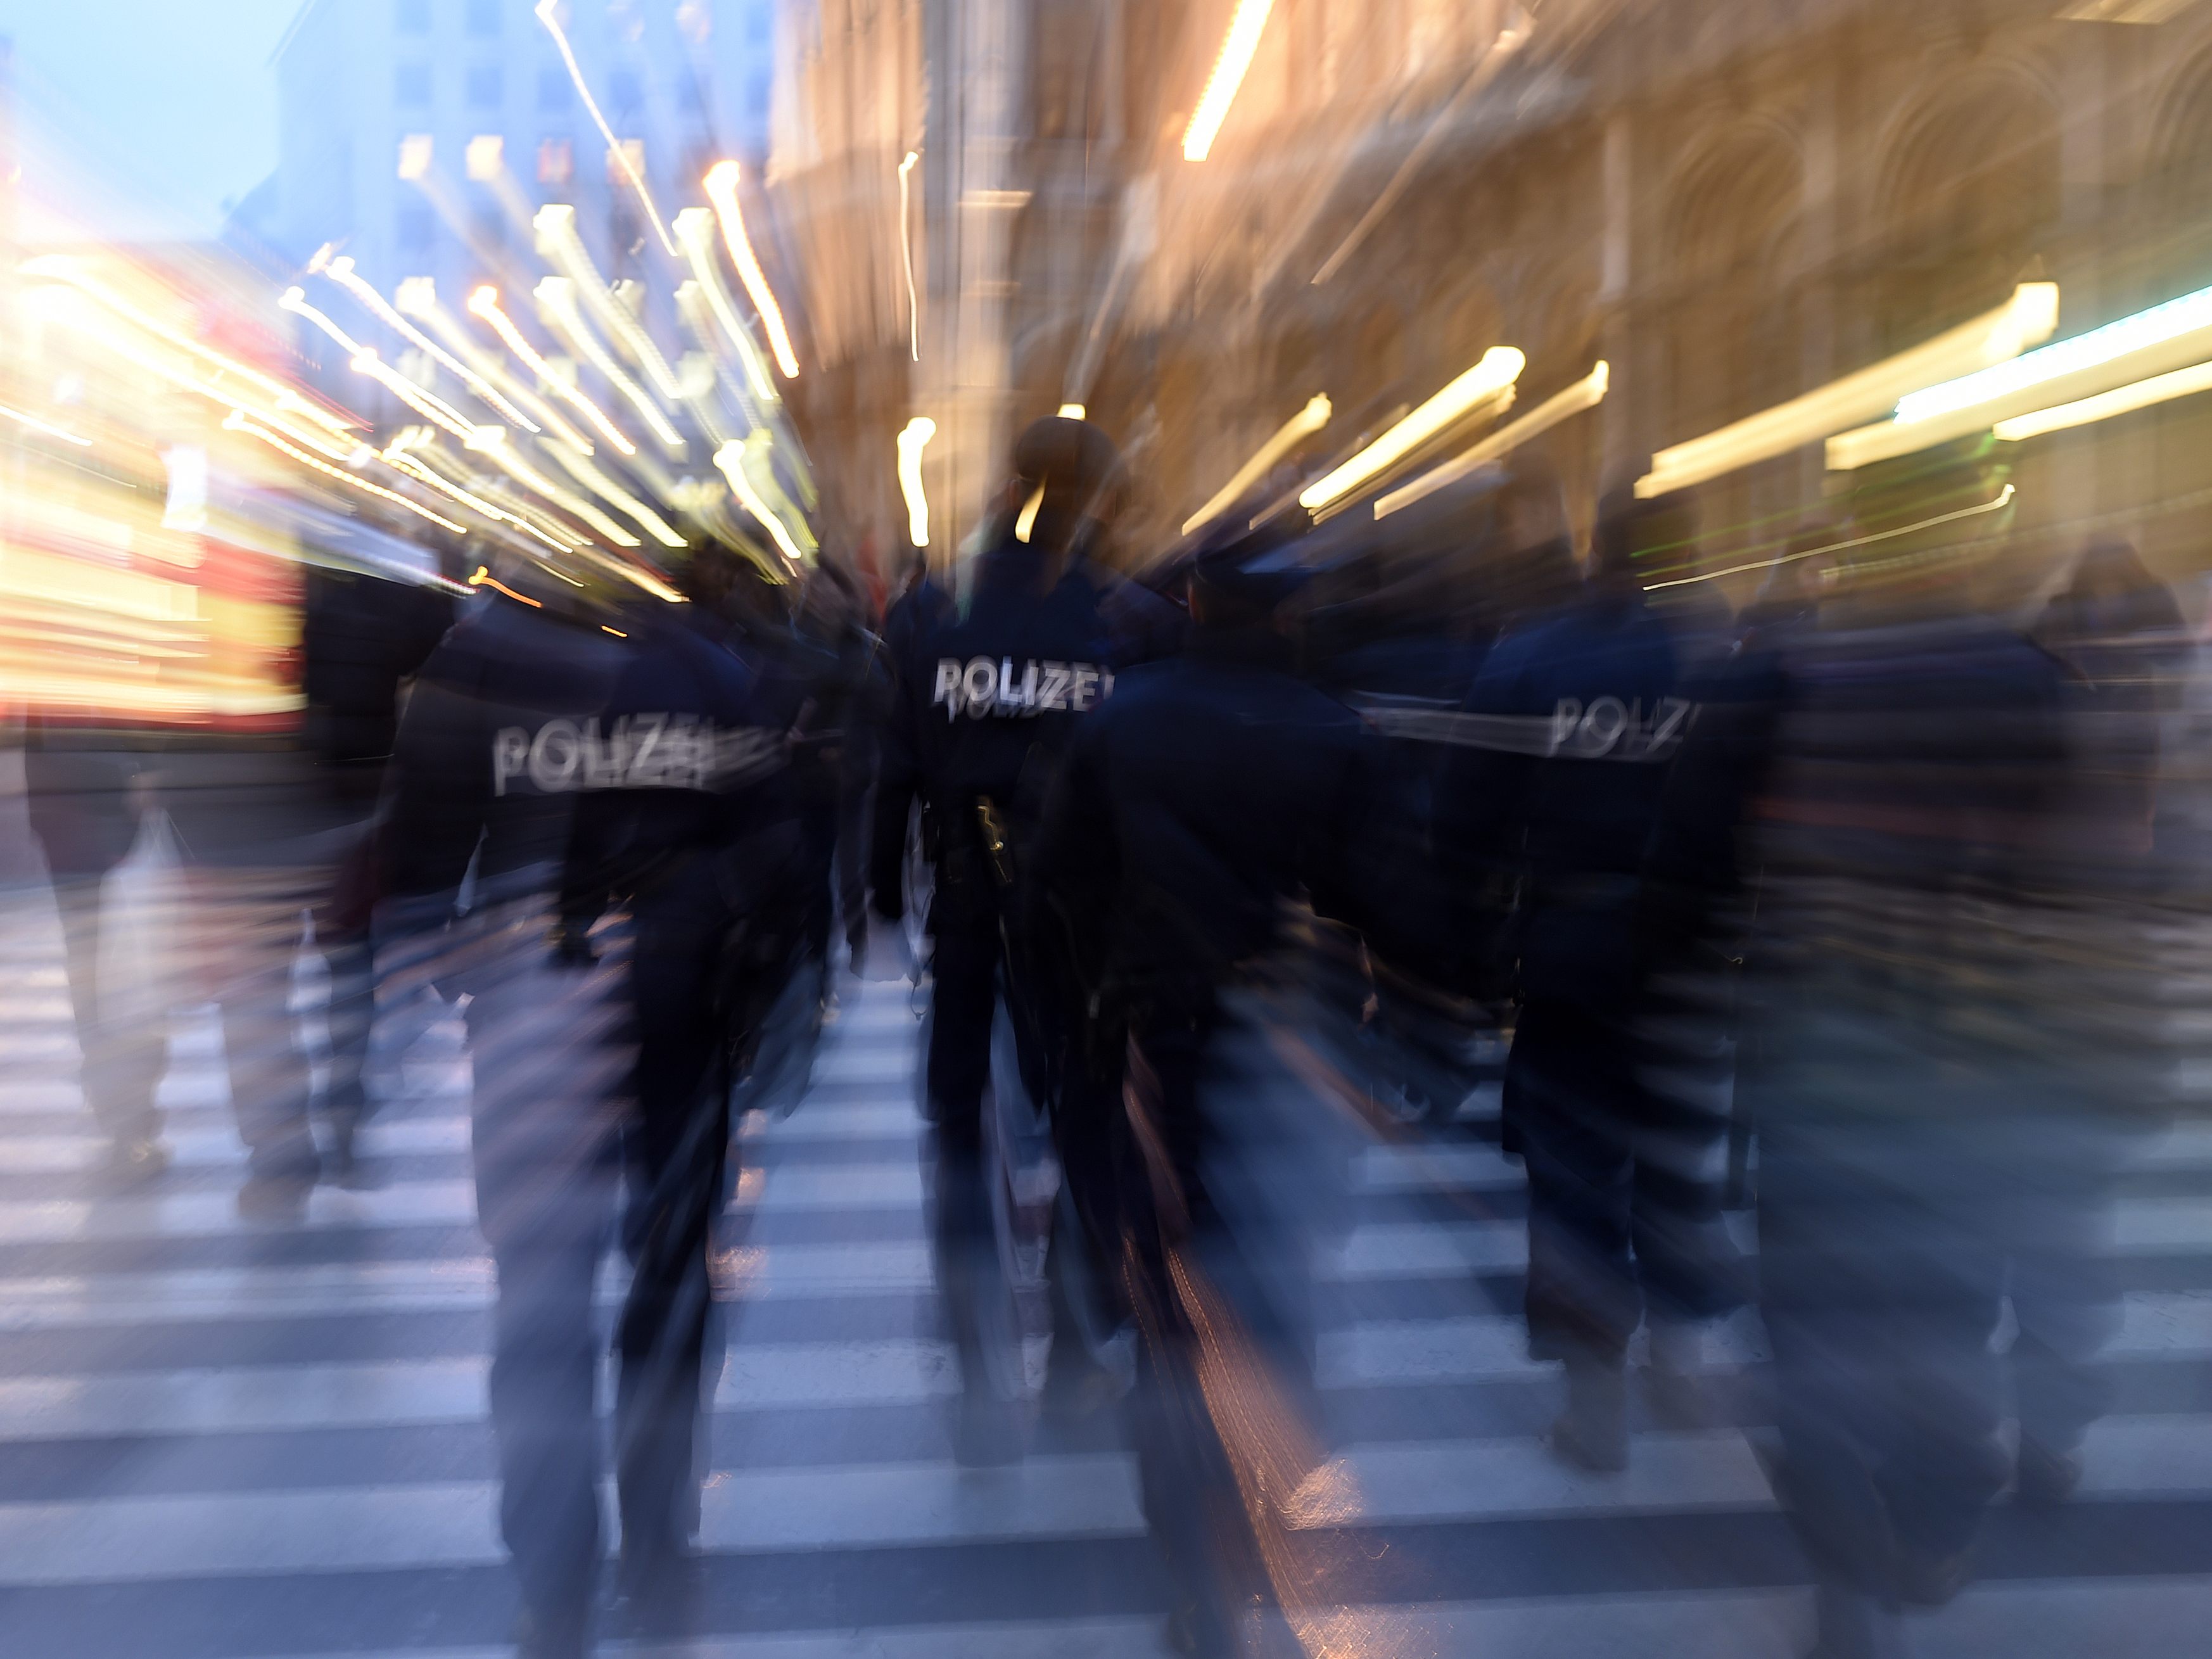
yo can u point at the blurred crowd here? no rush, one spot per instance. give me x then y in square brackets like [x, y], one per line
[1855, 920]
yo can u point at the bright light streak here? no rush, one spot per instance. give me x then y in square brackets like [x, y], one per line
[731, 459]
[1072, 411]
[1236, 49]
[2025, 319]
[545, 11]
[1585, 393]
[399, 459]
[430, 408]
[592, 479]
[341, 271]
[64, 268]
[483, 578]
[2003, 496]
[485, 303]
[2139, 394]
[46, 427]
[695, 228]
[294, 299]
[1307, 421]
[911, 443]
[238, 423]
[906, 257]
[557, 296]
[722, 190]
[1491, 378]
[1026, 523]
[555, 224]
[492, 441]
[2145, 329]
[417, 296]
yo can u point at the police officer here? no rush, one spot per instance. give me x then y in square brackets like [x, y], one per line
[1565, 743]
[987, 699]
[1212, 788]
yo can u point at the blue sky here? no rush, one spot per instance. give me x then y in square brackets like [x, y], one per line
[154, 112]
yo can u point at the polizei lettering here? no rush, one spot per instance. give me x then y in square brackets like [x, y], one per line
[985, 688]
[636, 751]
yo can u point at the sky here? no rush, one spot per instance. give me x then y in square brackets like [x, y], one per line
[146, 116]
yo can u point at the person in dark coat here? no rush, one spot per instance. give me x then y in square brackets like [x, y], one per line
[987, 698]
[1212, 788]
[1564, 750]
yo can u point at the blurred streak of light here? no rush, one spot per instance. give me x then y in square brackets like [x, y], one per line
[46, 427]
[592, 479]
[555, 225]
[63, 268]
[721, 182]
[911, 443]
[2174, 321]
[2003, 497]
[1507, 42]
[483, 578]
[2141, 394]
[1585, 393]
[417, 296]
[430, 407]
[1302, 425]
[491, 441]
[485, 303]
[760, 446]
[1491, 379]
[556, 298]
[396, 457]
[731, 459]
[695, 227]
[1072, 411]
[617, 632]
[1237, 46]
[1027, 522]
[906, 253]
[2027, 318]
[128, 347]
[237, 423]
[700, 372]
[294, 299]
[344, 273]
[544, 13]
[2176, 334]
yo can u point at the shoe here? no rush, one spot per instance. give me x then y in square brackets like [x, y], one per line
[133, 1159]
[540, 1635]
[279, 1200]
[1592, 1433]
[2044, 1477]
[985, 1435]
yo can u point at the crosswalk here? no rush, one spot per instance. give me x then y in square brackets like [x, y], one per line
[218, 1438]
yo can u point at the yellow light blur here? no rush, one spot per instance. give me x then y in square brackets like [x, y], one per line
[730, 457]
[417, 297]
[545, 14]
[911, 443]
[238, 423]
[721, 183]
[430, 407]
[2028, 317]
[342, 272]
[555, 224]
[906, 256]
[557, 297]
[1236, 49]
[592, 479]
[1026, 522]
[1071, 411]
[2157, 389]
[491, 441]
[1489, 381]
[416, 150]
[695, 228]
[485, 303]
[1307, 421]
[486, 157]
[1585, 393]
[46, 427]
[396, 457]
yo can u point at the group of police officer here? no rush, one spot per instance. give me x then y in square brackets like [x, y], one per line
[1713, 875]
